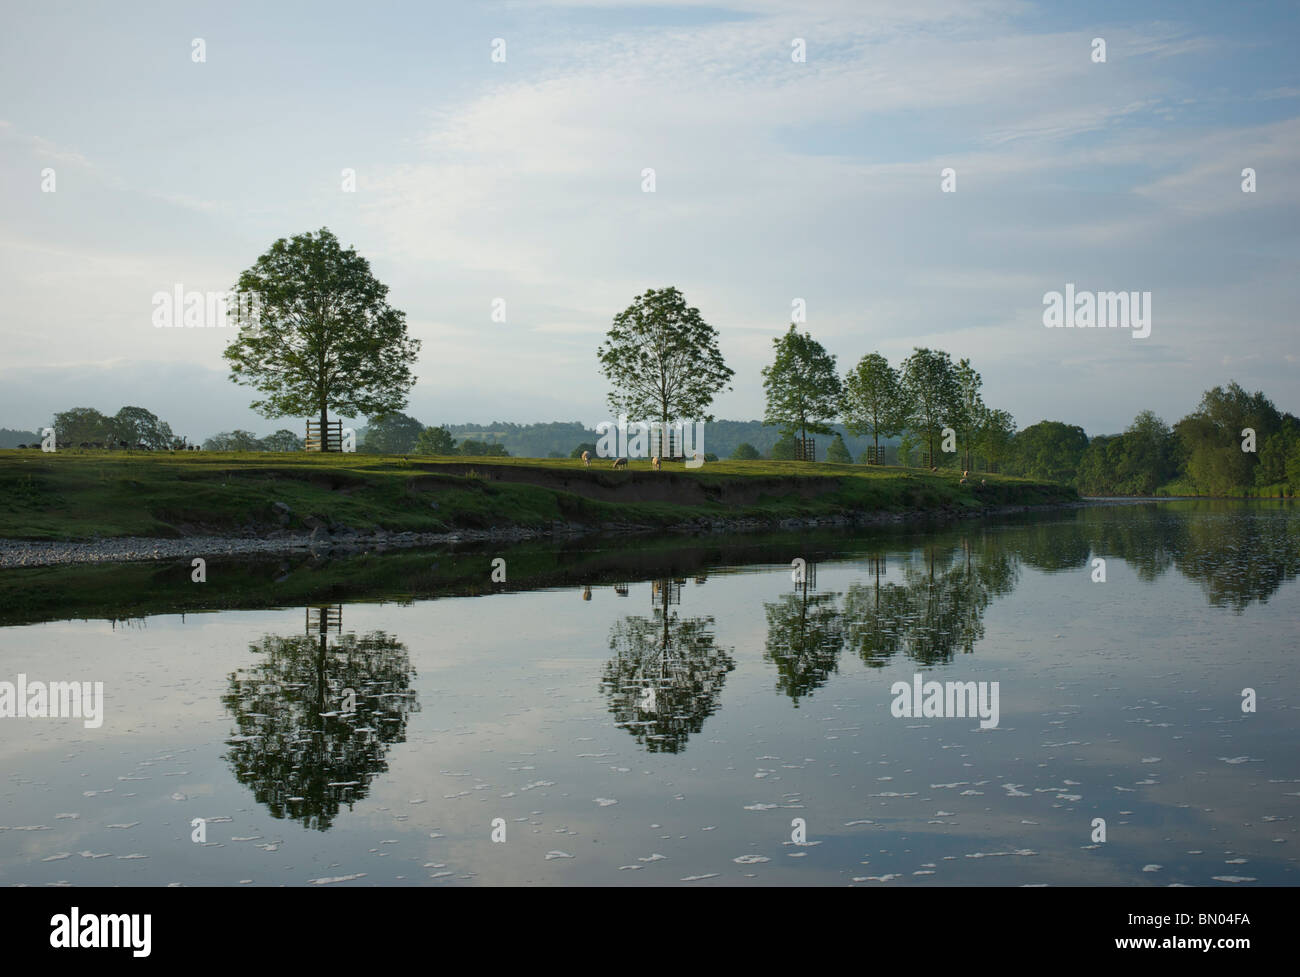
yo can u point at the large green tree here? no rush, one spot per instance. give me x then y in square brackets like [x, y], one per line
[874, 400]
[320, 334]
[435, 441]
[1048, 450]
[81, 424]
[996, 433]
[663, 361]
[392, 434]
[934, 393]
[1213, 441]
[135, 425]
[803, 389]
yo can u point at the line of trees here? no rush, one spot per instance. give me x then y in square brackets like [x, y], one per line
[401, 434]
[237, 440]
[1234, 443]
[324, 337]
[916, 402]
[134, 425]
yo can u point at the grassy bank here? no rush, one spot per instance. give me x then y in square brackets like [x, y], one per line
[76, 494]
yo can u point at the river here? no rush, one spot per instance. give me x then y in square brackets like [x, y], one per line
[721, 719]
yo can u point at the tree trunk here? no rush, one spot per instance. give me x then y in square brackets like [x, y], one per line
[324, 420]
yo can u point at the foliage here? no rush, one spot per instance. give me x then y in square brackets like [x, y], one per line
[784, 449]
[435, 441]
[321, 335]
[874, 401]
[1048, 450]
[1212, 438]
[663, 360]
[931, 383]
[803, 389]
[72, 427]
[483, 449]
[837, 454]
[392, 434]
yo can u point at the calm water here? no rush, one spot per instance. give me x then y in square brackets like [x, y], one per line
[672, 730]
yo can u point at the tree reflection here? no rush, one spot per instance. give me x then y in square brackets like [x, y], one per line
[666, 675]
[936, 610]
[1238, 558]
[805, 632]
[316, 719]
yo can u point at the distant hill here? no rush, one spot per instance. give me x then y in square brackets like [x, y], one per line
[720, 437]
[10, 438]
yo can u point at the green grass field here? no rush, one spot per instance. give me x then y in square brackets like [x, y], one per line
[79, 494]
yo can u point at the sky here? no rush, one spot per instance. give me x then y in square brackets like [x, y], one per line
[775, 180]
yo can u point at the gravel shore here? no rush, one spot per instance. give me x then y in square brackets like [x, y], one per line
[36, 553]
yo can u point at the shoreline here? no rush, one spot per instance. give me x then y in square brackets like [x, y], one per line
[20, 554]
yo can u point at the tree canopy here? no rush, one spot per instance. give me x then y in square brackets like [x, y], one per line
[934, 394]
[663, 361]
[321, 335]
[875, 402]
[803, 389]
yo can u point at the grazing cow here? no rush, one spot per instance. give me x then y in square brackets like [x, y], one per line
[654, 463]
[619, 463]
[961, 481]
[586, 459]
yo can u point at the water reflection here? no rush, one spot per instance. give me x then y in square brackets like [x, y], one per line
[805, 632]
[938, 607]
[666, 674]
[316, 716]
[1238, 553]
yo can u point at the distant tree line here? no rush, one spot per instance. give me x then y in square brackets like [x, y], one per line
[281, 440]
[928, 403]
[136, 426]
[400, 434]
[130, 425]
[1234, 444]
